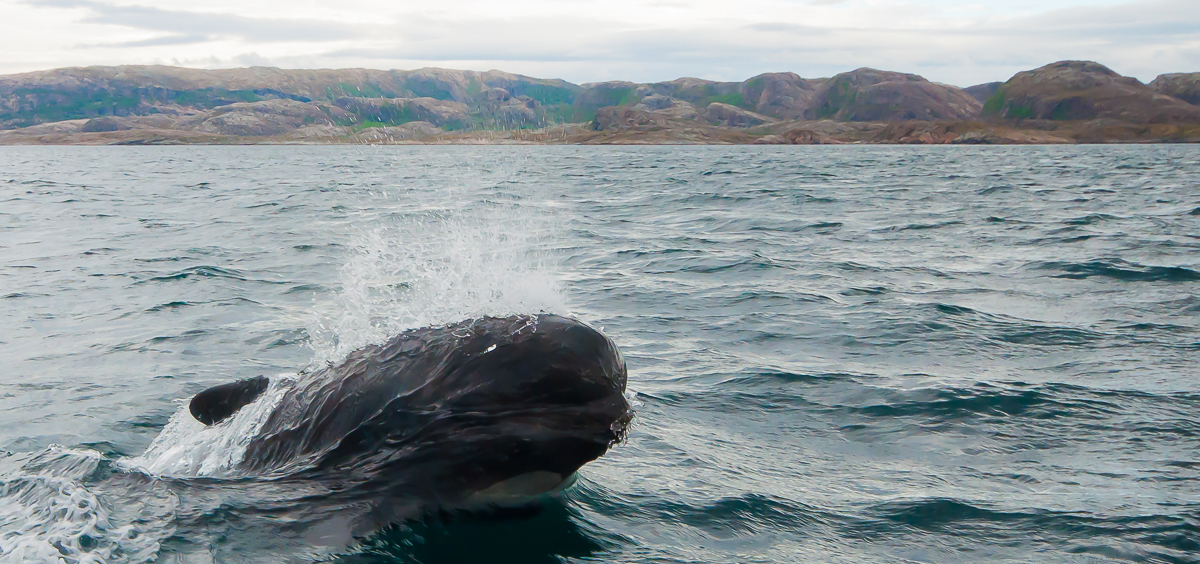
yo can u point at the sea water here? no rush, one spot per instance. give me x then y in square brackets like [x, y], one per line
[837, 354]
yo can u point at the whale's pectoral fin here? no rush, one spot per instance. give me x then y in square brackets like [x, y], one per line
[217, 403]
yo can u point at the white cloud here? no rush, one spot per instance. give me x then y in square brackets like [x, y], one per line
[591, 40]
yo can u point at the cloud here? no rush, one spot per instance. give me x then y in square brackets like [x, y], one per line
[186, 26]
[252, 60]
[153, 42]
[644, 40]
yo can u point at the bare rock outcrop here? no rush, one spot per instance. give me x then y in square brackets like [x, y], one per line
[780, 94]
[58, 127]
[496, 94]
[803, 136]
[732, 116]
[257, 119]
[1182, 85]
[772, 139]
[126, 123]
[669, 108]
[619, 117]
[411, 131]
[658, 102]
[102, 124]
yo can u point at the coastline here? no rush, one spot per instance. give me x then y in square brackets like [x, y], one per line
[822, 132]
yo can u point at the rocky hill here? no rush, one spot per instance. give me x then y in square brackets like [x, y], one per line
[1066, 101]
[1183, 85]
[1084, 90]
[874, 95]
[488, 100]
[79, 93]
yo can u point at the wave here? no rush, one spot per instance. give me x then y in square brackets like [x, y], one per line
[709, 264]
[865, 291]
[203, 271]
[1121, 270]
[988, 400]
[939, 322]
[1091, 219]
[169, 306]
[922, 226]
[1158, 538]
[731, 515]
[759, 376]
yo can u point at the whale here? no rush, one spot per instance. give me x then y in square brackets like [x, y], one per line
[480, 411]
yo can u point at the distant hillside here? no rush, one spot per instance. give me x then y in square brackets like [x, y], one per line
[161, 104]
[983, 92]
[82, 93]
[1083, 90]
[1183, 85]
[492, 100]
[874, 95]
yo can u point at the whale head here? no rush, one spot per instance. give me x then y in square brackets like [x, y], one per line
[543, 401]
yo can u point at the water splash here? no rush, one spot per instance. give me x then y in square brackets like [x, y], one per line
[419, 260]
[432, 267]
[188, 448]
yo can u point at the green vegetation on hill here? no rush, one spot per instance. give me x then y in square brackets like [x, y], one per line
[346, 89]
[998, 104]
[44, 105]
[838, 94]
[734, 99]
[423, 89]
[546, 95]
[625, 96]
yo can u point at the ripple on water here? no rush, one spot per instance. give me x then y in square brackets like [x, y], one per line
[840, 354]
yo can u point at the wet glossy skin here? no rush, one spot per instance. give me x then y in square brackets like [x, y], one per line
[469, 405]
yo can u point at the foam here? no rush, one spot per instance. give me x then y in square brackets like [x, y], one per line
[186, 448]
[49, 515]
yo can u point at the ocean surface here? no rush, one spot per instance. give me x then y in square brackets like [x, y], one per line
[836, 354]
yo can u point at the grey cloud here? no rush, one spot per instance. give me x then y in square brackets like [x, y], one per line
[167, 40]
[184, 24]
[253, 60]
[439, 52]
[788, 28]
[1141, 37]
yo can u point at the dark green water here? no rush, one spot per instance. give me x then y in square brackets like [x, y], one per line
[839, 354]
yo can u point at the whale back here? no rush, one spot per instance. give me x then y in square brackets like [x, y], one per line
[470, 404]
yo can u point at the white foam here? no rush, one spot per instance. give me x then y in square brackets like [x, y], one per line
[188, 448]
[48, 515]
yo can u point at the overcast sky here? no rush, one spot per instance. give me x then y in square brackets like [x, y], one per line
[956, 42]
